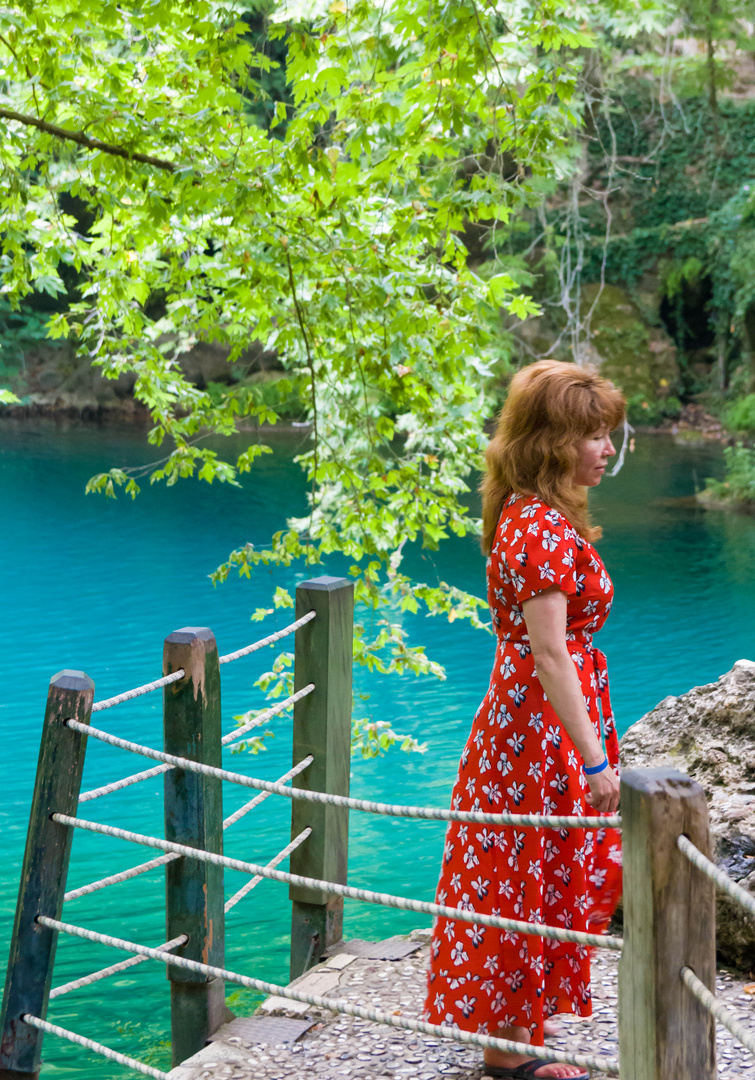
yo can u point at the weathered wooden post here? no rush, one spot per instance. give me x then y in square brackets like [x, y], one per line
[669, 922]
[44, 872]
[322, 728]
[194, 816]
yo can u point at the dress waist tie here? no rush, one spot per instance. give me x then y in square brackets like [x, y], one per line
[600, 669]
[594, 656]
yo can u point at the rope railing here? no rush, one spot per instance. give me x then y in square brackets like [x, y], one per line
[445, 1031]
[427, 813]
[283, 854]
[116, 879]
[127, 781]
[715, 873]
[90, 1044]
[717, 1009]
[698, 988]
[228, 740]
[269, 640]
[330, 638]
[161, 860]
[128, 695]
[243, 810]
[403, 903]
[237, 735]
[176, 676]
[114, 969]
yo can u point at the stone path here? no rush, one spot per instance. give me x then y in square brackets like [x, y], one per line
[337, 1047]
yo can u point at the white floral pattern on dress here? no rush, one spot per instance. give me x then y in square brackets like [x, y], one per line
[519, 758]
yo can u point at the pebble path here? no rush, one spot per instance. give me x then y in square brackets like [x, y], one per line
[345, 1048]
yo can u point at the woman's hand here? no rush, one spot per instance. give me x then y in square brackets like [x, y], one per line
[604, 791]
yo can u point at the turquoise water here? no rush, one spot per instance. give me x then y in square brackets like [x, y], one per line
[96, 585]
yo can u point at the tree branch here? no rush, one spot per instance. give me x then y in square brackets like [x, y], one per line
[313, 383]
[625, 159]
[85, 140]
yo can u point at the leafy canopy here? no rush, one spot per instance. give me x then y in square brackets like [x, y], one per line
[138, 179]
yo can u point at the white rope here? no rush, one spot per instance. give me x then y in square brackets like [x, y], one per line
[143, 868]
[604, 941]
[273, 862]
[115, 879]
[90, 1044]
[242, 810]
[166, 680]
[127, 781]
[114, 969]
[722, 879]
[230, 739]
[269, 640]
[443, 1031]
[236, 736]
[427, 813]
[718, 1009]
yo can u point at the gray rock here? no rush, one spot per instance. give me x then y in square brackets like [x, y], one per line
[709, 733]
[59, 379]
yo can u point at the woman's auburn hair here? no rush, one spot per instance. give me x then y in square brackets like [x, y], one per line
[551, 407]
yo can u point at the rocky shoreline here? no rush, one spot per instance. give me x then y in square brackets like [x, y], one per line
[58, 381]
[693, 426]
[709, 734]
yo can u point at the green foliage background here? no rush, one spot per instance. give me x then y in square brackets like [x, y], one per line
[386, 200]
[208, 198]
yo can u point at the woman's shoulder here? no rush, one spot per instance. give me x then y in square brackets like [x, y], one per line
[524, 515]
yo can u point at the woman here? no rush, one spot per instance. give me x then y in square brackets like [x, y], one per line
[535, 745]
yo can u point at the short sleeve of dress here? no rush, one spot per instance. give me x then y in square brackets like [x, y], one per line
[541, 551]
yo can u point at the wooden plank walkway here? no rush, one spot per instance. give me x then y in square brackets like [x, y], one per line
[337, 1047]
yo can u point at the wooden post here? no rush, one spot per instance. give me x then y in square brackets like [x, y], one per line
[194, 816]
[44, 872]
[322, 727]
[669, 922]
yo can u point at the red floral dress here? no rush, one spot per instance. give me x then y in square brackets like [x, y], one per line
[519, 759]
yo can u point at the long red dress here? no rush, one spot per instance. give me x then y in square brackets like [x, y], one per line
[520, 759]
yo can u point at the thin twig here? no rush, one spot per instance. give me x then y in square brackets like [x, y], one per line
[25, 66]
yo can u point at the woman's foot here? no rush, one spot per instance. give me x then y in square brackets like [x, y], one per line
[549, 1071]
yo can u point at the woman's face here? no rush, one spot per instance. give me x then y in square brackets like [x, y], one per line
[592, 456]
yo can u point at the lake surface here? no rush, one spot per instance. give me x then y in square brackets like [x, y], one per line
[96, 585]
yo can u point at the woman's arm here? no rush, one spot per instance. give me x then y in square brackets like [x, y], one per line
[545, 616]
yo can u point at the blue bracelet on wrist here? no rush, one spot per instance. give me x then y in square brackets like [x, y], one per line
[595, 768]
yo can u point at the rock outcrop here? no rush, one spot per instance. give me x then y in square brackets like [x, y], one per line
[58, 379]
[709, 733]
